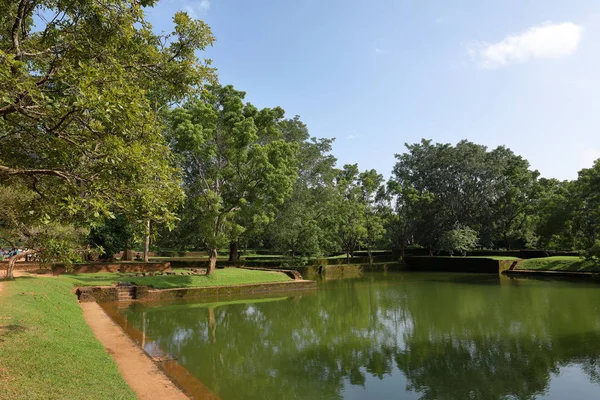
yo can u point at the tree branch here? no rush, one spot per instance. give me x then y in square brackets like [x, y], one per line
[51, 172]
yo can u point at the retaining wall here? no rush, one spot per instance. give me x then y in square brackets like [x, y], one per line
[105, 294]
[457, 264]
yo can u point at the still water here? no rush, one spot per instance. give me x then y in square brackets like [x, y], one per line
[390, 336]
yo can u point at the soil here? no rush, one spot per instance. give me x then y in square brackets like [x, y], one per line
[138, 370]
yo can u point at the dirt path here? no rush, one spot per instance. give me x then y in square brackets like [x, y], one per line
[137, 369]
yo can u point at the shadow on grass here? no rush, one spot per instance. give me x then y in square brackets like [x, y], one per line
[7, 330]
[157, 282]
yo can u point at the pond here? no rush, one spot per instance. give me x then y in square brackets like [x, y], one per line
[389, 336]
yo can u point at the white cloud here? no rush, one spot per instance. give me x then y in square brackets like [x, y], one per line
[353, 136]
[379, 51]
[196, 8]
[543, 41]
[204, 5]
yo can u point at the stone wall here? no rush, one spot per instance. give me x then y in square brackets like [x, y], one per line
[105, 294]
[194, 293]
[348, 270]
[101, 294]
[454, 264]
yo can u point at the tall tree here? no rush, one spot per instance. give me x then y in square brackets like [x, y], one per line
[81, 87]
[298, 224]
[491, 192]
[234, 162]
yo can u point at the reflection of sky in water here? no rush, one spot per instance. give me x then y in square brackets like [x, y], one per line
[392, 388]
[571, 383]
[437, 339]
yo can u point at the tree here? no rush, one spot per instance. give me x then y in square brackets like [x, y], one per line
[298, 223]
[22, 228]
[371, 188]
[515, 199]
[114, 235]
[404, 222]
[460, 239]
[235, 164]
[492, 192]
[82, 84]
[554, 214]
[586, 218]
[351, 210]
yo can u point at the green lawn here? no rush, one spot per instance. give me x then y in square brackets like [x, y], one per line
[499, 258]
[560, 263]
[47, 351]
[221, 277]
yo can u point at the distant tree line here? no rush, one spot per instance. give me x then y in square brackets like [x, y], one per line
[113, 136]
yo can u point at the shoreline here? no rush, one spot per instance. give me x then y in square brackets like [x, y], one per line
[138, 370]
[553, 274]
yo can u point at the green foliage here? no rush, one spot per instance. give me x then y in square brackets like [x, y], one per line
[293, 262]
[236, 165]
[460, 239]
[298, 225]
[439, 185]
[81, 91]
[114, 235]
[22, 226]
[593, 253]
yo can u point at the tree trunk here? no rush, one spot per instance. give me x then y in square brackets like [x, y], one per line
[212, 261]
[127, 253]
[347, 256]
[234, 255]
[147, 241]
[370, 252]
[14, 259]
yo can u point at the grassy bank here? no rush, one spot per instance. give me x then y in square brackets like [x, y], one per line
[47, 351]
[561, 263]
[221, 277]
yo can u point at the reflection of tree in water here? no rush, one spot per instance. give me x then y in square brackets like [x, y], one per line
[490, 344]
[451, 341]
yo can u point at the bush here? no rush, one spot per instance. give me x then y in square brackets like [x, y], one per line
[593, 253]
[293, 262]
[460, 239]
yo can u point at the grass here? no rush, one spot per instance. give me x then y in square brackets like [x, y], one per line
[47, 351]
[221, 277]
[498, 258]
[560, 263]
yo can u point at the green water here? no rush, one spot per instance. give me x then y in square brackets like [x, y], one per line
[394, 336]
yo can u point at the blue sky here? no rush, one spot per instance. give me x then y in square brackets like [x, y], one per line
[378, 74]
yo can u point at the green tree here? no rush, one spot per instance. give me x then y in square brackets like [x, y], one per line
[492, 192]
[460, 239]
[586, 218]
[371, 188]
[515, 199]
[114, 235]
[82, 84]
[554, 214]
[298, 224]
[235, 164]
